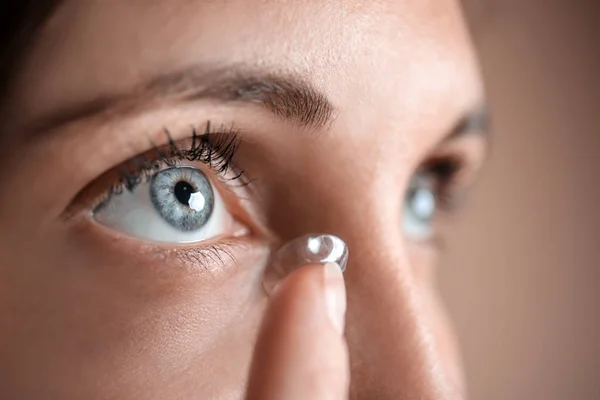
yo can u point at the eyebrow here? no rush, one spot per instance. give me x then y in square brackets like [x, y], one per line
[286, 96]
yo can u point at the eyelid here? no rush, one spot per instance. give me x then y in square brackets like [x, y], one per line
[108, 184]
[452, 168]
[129, 174]
[207, 257]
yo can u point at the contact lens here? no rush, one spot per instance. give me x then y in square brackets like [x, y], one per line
[301, 251]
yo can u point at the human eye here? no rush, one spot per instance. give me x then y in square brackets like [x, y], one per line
[174, 194]
[174, 205]
[432, 190]
[438, 186]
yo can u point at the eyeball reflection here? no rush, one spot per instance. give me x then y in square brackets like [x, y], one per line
[420, 207]
[176, 205]
[183, 197]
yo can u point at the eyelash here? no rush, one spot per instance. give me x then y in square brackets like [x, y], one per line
[215, 149]
[445, 173]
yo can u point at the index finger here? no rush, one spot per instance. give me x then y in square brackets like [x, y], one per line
[301, 352]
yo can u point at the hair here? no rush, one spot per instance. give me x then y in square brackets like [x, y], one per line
[20, 21]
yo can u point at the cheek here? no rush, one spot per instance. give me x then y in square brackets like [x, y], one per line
[87, 325]
[445, 338]
[424, 260]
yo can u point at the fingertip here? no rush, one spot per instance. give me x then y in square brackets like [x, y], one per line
[300, 352]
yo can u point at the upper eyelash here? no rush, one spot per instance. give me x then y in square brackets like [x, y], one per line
[445, 171]
[215, 149]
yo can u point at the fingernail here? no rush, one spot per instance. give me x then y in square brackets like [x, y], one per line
[304, 250]
[335, 295]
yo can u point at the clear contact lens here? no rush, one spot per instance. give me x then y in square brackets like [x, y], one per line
[304, 250]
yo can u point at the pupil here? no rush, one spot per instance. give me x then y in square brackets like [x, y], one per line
[183, 192]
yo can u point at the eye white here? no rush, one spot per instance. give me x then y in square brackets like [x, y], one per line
[153, 210]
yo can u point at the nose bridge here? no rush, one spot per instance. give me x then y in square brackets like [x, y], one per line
[389, 330]
[391, 340]
[390, 337]
[392, 348]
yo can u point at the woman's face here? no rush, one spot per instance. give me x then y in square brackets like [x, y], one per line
[134, 244]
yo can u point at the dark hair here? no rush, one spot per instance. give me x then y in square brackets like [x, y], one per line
[20, 20]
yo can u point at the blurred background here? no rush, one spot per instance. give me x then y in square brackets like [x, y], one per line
[522, 277]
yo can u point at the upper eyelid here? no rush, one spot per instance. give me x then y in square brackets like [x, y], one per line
[176, 154]
[73, 161]
[97, 193]
[474, 125]
[141, 166]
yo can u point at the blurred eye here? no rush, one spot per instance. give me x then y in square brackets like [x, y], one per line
[420, 207]
[174, 205]
[433, 192]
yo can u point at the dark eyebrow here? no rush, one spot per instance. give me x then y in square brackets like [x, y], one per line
[285, 95]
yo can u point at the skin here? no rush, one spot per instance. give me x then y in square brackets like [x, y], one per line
[88, 312]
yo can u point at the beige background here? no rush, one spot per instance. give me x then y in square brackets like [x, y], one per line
[522, 277]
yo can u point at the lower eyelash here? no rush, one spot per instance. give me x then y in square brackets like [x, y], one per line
[216, 255]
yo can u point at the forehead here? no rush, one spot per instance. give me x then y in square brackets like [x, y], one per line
[350, 49]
